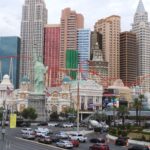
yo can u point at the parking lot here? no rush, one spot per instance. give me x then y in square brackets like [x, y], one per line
[15, 141]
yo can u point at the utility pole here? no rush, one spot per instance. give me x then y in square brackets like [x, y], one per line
[78, 100]
[3, 121]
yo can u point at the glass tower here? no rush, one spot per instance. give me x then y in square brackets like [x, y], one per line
[10, 58]
[83, 43]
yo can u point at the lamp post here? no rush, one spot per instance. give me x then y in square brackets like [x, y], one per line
[78, 100]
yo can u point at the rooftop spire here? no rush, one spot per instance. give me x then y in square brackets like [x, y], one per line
[140, 8]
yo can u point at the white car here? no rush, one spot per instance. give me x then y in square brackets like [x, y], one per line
[78, 136]
[42, 131]
[67, 125]
[52, 124]
[61, 135]
[29, 135]
[64, 144]
[26, 130]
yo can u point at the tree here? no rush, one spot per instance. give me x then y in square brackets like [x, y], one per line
[137, 104]
[29, 113]
[141, 97]
[122, 113]
[71, 114]
[54, 116]
[1, 113]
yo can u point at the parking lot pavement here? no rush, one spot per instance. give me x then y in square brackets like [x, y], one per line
[18, 143]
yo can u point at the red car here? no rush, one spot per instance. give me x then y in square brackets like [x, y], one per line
[99, 147]
[75, 143]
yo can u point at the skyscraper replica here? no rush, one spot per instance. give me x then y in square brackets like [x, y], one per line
[110, 29]
[51, 53]
[128, 58]
[70, 23]
[141, 27]
[83, 37]
[97, 63]
[34, 17]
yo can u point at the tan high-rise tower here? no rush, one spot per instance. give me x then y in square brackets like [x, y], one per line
[70, 23]
[110, 30]
[34, 17]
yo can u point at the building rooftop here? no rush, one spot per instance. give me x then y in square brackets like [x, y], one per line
[140, 8]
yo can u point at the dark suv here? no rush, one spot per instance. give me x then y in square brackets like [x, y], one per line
[122, 141]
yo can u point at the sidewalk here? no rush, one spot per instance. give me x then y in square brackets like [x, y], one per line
[129, 141]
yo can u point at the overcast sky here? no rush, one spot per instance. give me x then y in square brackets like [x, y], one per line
[92, 10]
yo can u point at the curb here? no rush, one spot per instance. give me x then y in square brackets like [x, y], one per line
[129, 141]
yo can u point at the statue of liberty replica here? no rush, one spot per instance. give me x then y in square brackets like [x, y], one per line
[37, 99]
[39, 74]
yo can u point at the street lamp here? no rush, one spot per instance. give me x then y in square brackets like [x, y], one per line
[78, 106]
[78, 100]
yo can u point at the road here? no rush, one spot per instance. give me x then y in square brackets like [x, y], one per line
[13, 141]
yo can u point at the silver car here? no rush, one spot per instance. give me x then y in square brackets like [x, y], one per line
[29, 135]
[64, 144]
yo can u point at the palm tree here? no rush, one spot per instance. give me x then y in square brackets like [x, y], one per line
[141, 97]
[137, 104]
[122, 113]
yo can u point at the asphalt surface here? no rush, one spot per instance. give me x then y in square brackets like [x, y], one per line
[14, 141]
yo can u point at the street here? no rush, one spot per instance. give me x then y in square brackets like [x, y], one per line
[14, 141]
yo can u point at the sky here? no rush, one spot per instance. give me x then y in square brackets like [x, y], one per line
[92, 10]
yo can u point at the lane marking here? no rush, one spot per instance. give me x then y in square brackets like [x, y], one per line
[52, 146]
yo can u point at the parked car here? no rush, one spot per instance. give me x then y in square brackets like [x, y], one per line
[78, 136]
[54, 138]
[45, 139]
[52, 124]
[25, 124]
[122, 141]
[67, 125]
[61, 135]
[99, 147]
[75, 143]
[64, 144]
[43, 124]
[26, 130]
[97, 140]
[139, 147]
[29, 135]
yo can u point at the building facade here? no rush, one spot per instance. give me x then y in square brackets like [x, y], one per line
[6, 93]
[70, 23]
[90, 96]
[141, 27]
[96, 37]
[72, 63]
[128, 58]
[34, 17]
[110, 29]
[51, 54]
[83, 43]
[10, 58]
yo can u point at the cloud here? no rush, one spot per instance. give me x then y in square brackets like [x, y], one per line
[11, 11]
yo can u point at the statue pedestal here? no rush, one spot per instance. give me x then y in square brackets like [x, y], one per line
[38, 102]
